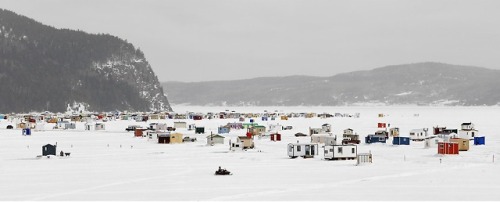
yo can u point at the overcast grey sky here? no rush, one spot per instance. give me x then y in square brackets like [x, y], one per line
[200, 40]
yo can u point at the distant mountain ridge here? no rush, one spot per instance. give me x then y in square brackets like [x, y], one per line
[44, 68]
[428, 83]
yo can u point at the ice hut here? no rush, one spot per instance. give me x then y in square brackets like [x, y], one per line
[326, 128]
[180, 125]
[468, 131]
[448, 148]
[400, 140]
[364, 158]
[418, 134]
[247, 142]
[340, 152]
[432, 142]
[213, 139]
[89, 126]
[199, 130]
[320, 138]
[371, 138]
[223, 129]
[235, 146]
[100, 126]
[394, 132]
[275, 137]
[349, 137]
[307, 150]
[49, 149]
[479, 140]
[463, 144]
[168, 138]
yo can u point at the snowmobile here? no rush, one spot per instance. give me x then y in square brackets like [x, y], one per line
[222, 172]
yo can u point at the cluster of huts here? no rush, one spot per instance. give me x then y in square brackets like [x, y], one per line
[341, 147]
[447, 141]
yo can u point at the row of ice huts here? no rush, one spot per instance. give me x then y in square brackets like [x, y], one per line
[447, 141]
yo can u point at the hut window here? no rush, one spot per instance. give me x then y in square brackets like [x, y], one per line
[340, 150]
[331, 150]
[298, 147]
[353, 150]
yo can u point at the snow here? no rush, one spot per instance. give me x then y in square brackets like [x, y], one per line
[137, 169]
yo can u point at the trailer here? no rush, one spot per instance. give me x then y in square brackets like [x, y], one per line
[341, 152]
[306, 150]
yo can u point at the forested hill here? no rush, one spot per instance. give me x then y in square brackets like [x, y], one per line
[427, 83]
[44, 68]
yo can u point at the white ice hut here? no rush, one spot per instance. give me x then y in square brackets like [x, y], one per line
[418, 134]
[89, 126]
[235, 146]
[320, 138]
[468, 131]
[341, 152]
[432, 142]
[180, 125]
[275, 127]
[307, 150]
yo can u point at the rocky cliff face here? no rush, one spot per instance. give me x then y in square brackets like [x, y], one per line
[44, 68]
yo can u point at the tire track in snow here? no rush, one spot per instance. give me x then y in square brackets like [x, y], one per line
[109, 185]
[336, 184]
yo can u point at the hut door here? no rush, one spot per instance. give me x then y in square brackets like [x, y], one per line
[312, 150]
[308, 150]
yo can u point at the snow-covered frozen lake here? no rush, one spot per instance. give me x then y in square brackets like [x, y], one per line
[114, 165]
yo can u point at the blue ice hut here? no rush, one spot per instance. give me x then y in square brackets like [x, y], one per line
[479, 140]
[26, 131]
[223, 130]
[401, 141]
[375, 138]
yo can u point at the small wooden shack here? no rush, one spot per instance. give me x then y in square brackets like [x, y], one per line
[180, 125]
[463, 144]
[247, 142]
[176, 138]
[364, 158]
[320, 138]
[275, 137]
[479, 140]
[49, 149]
[138, 132]
[448, 148]
[169, 138]
[199, 130]
[213, 139]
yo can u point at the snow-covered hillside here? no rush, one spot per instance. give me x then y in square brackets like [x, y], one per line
[114, 165]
